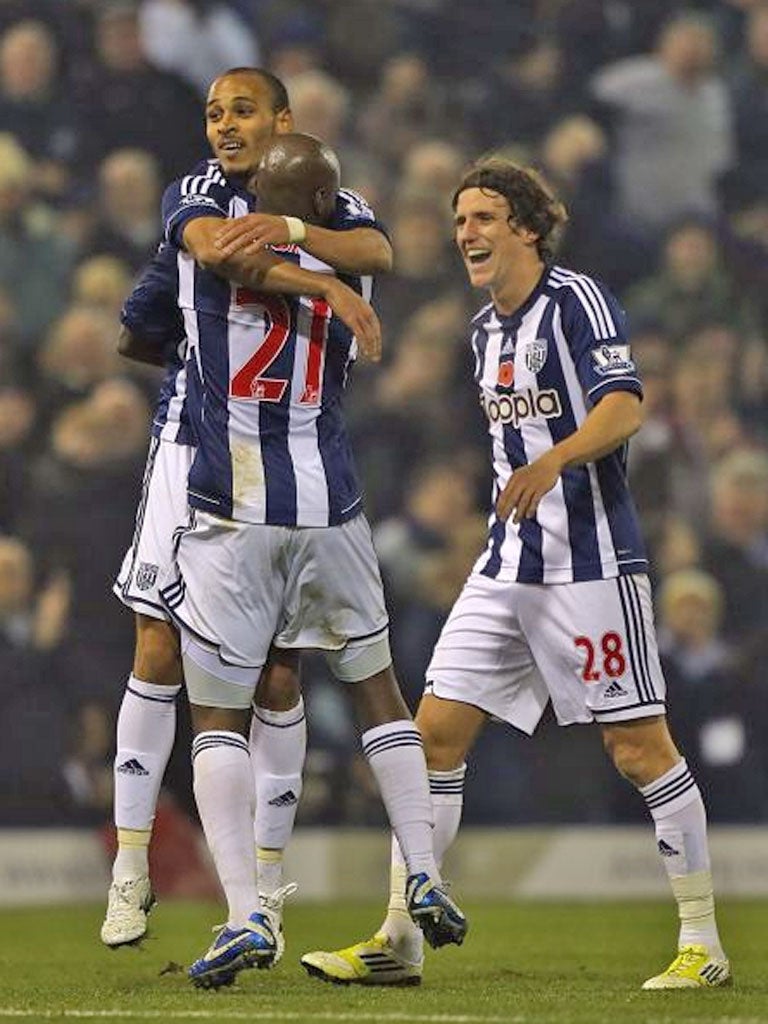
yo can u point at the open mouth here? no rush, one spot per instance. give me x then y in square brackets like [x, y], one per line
[476, 257]
[231, 146]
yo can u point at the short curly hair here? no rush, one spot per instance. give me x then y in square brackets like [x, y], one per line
[532, 202]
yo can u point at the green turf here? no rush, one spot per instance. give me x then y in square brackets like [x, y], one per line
[521, 963]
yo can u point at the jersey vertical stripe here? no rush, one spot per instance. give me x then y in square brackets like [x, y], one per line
[540, 371]
[266, 375]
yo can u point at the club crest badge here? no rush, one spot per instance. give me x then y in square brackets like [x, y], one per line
[146, 575]
[535, 354]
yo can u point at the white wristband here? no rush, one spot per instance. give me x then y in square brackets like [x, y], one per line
[297, 229]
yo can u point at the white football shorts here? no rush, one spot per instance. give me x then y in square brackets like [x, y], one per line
[148, 564]
[239, 585]
[589, 647]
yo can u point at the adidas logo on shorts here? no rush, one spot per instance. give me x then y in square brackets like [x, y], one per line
[615, 690]
[286, 799]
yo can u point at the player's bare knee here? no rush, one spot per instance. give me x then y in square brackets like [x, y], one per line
[279, 687]
[642, 751]
[378, 700]
[157, 658]
[208, 719]
[448, 729]
[442, 757]
[629, 759]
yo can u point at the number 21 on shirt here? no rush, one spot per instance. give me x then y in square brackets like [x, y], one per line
[251, 382]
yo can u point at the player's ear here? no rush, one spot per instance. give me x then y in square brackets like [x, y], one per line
[525, 234]
[283, 121]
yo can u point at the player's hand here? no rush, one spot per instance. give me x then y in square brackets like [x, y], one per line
[358, 315]
[51, 612]
[250, 233]
[527, 486]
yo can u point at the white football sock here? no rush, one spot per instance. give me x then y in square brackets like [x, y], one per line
[396, 756]
[223, 783]
[132, 860]
[146, 729]
[675, 803]
[278, 744]
[447, 792]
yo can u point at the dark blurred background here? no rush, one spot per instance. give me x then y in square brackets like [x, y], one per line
[650, 118]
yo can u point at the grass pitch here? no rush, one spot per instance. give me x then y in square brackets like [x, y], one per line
[522, 964]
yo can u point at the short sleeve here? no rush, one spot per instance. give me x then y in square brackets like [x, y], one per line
[195, 195]
[596, 332]
[352, 211]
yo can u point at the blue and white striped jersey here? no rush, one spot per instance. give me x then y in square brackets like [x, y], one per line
[265, 377]
[152, 311]
[540, 371]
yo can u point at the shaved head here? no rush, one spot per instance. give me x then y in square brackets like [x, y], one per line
[298, 176]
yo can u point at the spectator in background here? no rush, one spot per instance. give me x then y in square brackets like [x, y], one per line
[692, 287]
[127, 224]
[33, 689]
[735, 546]
[17, 422]
[522, 95]
[575, 156]
[749, 99]
[675, 545]
[102, 283]
[410, 413]
[320, 106]
[79, 353]
[714, 714]
[424, 268]
[196, 39]
[34, 259]
[671, 123]
[34, 108]
[295, 45]
[650, 454]
[94, 462]
[406, 107]
[124, 101]
[430, 168]
[425, 554]
[378, 39]
[706, 425]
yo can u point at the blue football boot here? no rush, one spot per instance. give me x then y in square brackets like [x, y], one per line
[232, 951]
[434, 911]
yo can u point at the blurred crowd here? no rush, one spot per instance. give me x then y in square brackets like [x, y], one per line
[651, 120]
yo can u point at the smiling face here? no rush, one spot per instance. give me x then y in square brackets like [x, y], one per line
[496, 252]
[240, 119]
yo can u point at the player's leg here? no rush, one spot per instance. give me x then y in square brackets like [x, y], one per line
[645, 754]
[480, 666]
[146, 728]
[226, 599]
[220, 697]
[595, 642]
[334, 600]
[277, 743]
[394, 749]
[449, 729]
[395, 953]
[146, 722]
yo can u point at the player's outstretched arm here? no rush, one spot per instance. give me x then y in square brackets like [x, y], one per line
[609, 424]
[263, 271]
[354, 251]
